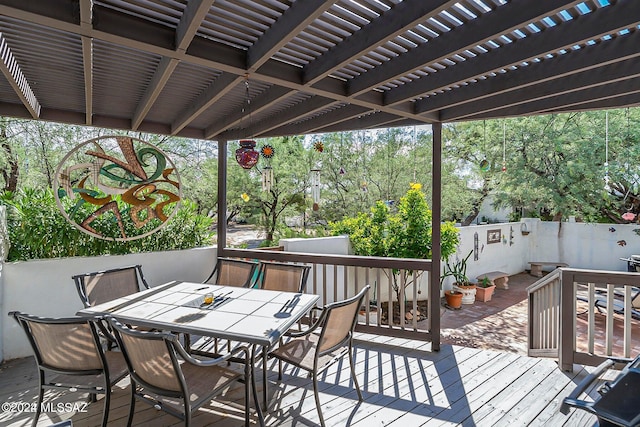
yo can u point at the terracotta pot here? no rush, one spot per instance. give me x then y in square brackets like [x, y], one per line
[453, 298]
[468, 292]
[484, 294]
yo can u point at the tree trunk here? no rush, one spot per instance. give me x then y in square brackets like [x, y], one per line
[10, 174]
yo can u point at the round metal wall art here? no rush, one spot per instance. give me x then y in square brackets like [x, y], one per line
[117, 188]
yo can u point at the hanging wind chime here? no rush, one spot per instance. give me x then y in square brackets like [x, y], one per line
[267, 152]
[484, 163]
[315, 188]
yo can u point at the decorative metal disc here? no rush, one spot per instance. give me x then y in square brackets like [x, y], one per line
[117, 188]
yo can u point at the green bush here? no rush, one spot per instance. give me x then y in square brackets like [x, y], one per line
[38, 230]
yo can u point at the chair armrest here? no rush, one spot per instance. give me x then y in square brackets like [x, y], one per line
[572, 399]
[210, 362]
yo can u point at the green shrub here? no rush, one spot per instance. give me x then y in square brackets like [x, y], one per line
[38, 230]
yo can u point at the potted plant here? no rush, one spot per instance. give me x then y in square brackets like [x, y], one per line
[484, 290]
[459, 273]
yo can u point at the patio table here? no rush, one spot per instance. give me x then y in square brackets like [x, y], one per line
[254, 316]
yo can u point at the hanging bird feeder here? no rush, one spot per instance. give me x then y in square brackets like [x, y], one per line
[246, 155]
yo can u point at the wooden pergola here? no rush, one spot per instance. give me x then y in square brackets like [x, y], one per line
[202, 68]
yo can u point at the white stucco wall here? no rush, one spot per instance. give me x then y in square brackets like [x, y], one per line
[45, 288]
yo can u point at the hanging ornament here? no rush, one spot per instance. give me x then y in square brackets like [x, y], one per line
[318, 146]
[245, 197]
[267, 178]
[246, 155]
[315, 188]
[363, 187]
[484, 164]
[267, 151]
[342, 171]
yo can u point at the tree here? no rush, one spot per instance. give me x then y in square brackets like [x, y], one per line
[406, 233]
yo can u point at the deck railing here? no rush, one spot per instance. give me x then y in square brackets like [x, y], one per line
[600, 301]
[336, 277]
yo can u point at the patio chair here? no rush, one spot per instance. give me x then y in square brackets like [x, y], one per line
[233, 272]
[619, 399]
[601, 301]
[103, 286]
[69, 357]
[282, 276]
[166, 377]
[227, 272]
[325, 342]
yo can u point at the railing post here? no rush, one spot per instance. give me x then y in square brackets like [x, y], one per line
[567, 321]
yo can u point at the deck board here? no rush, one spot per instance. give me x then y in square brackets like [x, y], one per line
[403, 382]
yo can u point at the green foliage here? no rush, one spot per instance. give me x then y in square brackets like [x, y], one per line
[404, 234]
[458, 271]
[38, 230]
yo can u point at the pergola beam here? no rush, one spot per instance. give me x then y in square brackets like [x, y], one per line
[265, 100]
[193, 15]
[597, 24]
[403, 17]
[87, 60]
[373, 120]
[331, 118]
[570, 84]
[502, 20]
[295, 19]
[295, 112]
[11, 70]
[116, 27]
[566, 101]
[216, 90]
[599, 55]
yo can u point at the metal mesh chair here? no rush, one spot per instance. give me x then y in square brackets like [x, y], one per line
[69, 356]
[325, 342]
[104, 286]
[233, 272]
[165, 376]
[277, 276]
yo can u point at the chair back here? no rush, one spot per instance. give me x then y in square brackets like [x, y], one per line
[339, 322]
[68, 345]
[103, 286]
[233, 272]
[151, 359]
[285, 277]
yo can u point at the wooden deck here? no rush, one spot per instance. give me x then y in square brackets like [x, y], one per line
[403, 382]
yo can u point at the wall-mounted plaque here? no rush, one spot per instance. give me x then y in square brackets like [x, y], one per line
[494, 236]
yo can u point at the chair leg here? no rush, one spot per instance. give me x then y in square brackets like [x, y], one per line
[40, 397]
[132, 404]
[187, 411]
[315, 393]
[279, 370]
[107, 402]
[353, 374]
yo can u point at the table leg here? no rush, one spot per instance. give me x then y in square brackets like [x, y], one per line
[256, 399]
[265, 353]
